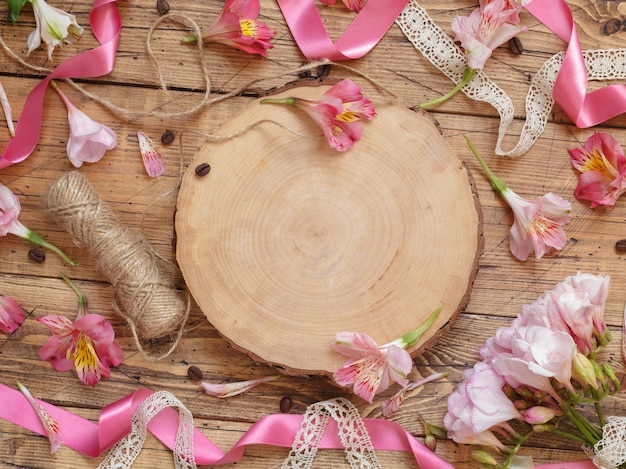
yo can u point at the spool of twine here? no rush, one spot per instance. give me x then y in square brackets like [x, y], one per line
[143, 296]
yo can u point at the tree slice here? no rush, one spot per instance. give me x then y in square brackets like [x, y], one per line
[287, 241]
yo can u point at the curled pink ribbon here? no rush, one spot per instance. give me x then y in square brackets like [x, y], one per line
[106, 24]
[369, 26]
[278, 430]
[570, 88]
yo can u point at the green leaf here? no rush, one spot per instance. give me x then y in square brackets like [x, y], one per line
[14, 9]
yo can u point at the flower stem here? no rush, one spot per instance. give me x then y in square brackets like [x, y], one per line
[468, 75]
[589, 431]
[290, 101]
[413, 336]
[36, 239]
[570, 436]
[497, 183]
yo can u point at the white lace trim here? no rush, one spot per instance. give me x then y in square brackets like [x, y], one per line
[124, 453]
[610, 451]
[352, 432]
[439, 48]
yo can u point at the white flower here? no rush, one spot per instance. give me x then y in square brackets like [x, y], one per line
[54, 26]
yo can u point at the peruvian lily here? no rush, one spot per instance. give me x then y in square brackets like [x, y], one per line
[232, 389]
[54, 26]
[371, 368]
[11, 315]
[490, 25]
[51, 427]
[238, 27]
[538, 224]
[6, 108]
[9, 211]
[353, 5]
[87, 344]
[337, 112]
[88, 139]
[150, 154]
[602, 167]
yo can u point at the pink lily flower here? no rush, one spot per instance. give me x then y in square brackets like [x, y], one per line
[352, 5]
[602, 167]
[337, 112]
[537, 224]
[233, 389]
[150, 154]
[51, 427]
[88, 140]
[371, 368]
[9, 211]
[87, 344]
[11, 315]
[54, 26]
[238, 27]
[485, 29]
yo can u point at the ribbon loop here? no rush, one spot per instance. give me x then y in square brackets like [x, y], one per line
[365, 31]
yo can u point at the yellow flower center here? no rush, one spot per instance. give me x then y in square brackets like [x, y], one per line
[248, 28]
[83, 353]
[597, 162]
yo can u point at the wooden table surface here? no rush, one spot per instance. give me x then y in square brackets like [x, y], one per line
[501, 287]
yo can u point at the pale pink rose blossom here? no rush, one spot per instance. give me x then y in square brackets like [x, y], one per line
[150, 155]
[232, 389]
[11, 315]
[370, 368]
[50, 426]
[87, 344]
[602, 167]
[597, 287]
[486, 28]
[88, 140]
[10, 208]
[337, 112]
[238, 27]
[538, 224]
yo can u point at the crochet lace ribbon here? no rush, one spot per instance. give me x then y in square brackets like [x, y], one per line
[610, 451]
[439, 48]
[125, 451]
[354, 437]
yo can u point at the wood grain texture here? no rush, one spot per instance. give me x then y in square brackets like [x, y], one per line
[502, 284]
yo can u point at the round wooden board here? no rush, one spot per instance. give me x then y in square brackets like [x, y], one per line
[287, 241]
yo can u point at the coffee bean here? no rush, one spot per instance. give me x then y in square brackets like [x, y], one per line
[516, 45]
[162, 7]
[203, 169]
[194, 373]
[36, 255]
[285, 405]
[621, 245]
[323, 70]
[167, 137]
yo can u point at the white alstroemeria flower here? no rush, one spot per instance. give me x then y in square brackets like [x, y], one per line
[54, 26]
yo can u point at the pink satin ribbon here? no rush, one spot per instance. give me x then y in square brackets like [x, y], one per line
[570, 90]
[367, 28]
[106, 24]
[279, 430]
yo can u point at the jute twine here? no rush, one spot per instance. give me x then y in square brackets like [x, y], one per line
[147, 300]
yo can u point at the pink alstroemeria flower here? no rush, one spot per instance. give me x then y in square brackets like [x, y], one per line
[150, 154]
[537, 224]
[371, 368]
[602, 167]
[88, 140]
[232, 389]
[487, 27]
[389, 406]
[337, 112]
[238, 27]
[51, 427]
[9, 211]
[54, 26]
[87, 344]
[352, 5]
[11, 315]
